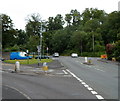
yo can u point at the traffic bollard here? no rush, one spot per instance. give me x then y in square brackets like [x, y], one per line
[17, 66]
[45, 67]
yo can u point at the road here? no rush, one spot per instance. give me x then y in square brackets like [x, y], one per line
[101, 76]
[60, 86]
[77, 81]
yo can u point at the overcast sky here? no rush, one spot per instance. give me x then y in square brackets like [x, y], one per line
[18, 10]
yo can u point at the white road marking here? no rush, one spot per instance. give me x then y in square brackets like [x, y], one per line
[99, 97]
[99, 69]
[83, 83]
[93, 92]
[64, 71]
[19, 92]
[87, 86]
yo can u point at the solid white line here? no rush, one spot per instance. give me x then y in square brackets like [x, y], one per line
[64, 71]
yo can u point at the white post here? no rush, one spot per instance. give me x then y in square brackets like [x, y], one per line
[17, 66]
[86, 60]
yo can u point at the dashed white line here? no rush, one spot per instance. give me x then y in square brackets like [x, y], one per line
[89, 88]
[99, 97]
[85, 85]
[94, 92]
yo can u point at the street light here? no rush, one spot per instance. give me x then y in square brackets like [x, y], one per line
[40, 46]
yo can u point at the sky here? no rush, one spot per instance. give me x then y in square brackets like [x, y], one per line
[18, 10]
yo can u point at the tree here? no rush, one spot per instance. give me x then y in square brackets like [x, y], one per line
[33, 25]
[58, 21]
[117, 50]
[68, 18]
[32, 43]
[78, 40]
[8, 33]
[22, 37]
[76, 17]
[111, 28]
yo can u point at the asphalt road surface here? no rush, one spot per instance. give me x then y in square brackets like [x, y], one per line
[44, 86]
[77, 81]
[101, 76]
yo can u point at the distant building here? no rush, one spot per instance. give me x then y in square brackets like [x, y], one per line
[119, 6]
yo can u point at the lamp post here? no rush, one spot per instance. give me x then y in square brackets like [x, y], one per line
[40, 46]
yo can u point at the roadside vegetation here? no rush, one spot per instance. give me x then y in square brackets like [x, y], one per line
[30, 61]
[89, 33]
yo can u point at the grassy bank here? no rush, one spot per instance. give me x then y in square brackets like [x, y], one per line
[30, 61]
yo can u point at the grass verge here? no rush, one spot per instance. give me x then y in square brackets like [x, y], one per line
[28, 61]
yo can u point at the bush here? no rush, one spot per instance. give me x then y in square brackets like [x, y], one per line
[92, 54]
[15, 48]
[6, 50]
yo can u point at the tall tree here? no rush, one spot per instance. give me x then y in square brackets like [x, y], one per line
[68, 19]
[58, 21]
[75, 17]
[8, 32]
[33, 25]
[111, 28]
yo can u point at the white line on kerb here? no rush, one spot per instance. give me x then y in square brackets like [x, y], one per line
[87, 86]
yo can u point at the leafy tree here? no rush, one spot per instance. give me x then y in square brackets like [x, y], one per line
[22, 37]
[50, 25]
[68, 19]
[78, 40]
[58, 21]
[8, 33]
[32, 43]
[110, 28]
[60, 41]
[76, 17]
[33, 25]
[117, 50]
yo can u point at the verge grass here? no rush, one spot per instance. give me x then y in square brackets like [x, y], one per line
[28, 61]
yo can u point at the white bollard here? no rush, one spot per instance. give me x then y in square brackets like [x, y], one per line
[86, 60]
[17, 65]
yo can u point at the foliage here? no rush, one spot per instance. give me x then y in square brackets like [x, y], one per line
[110, 50]
[87, 33]
[117, 50]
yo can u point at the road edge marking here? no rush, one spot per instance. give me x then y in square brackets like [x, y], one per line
[87, 86]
